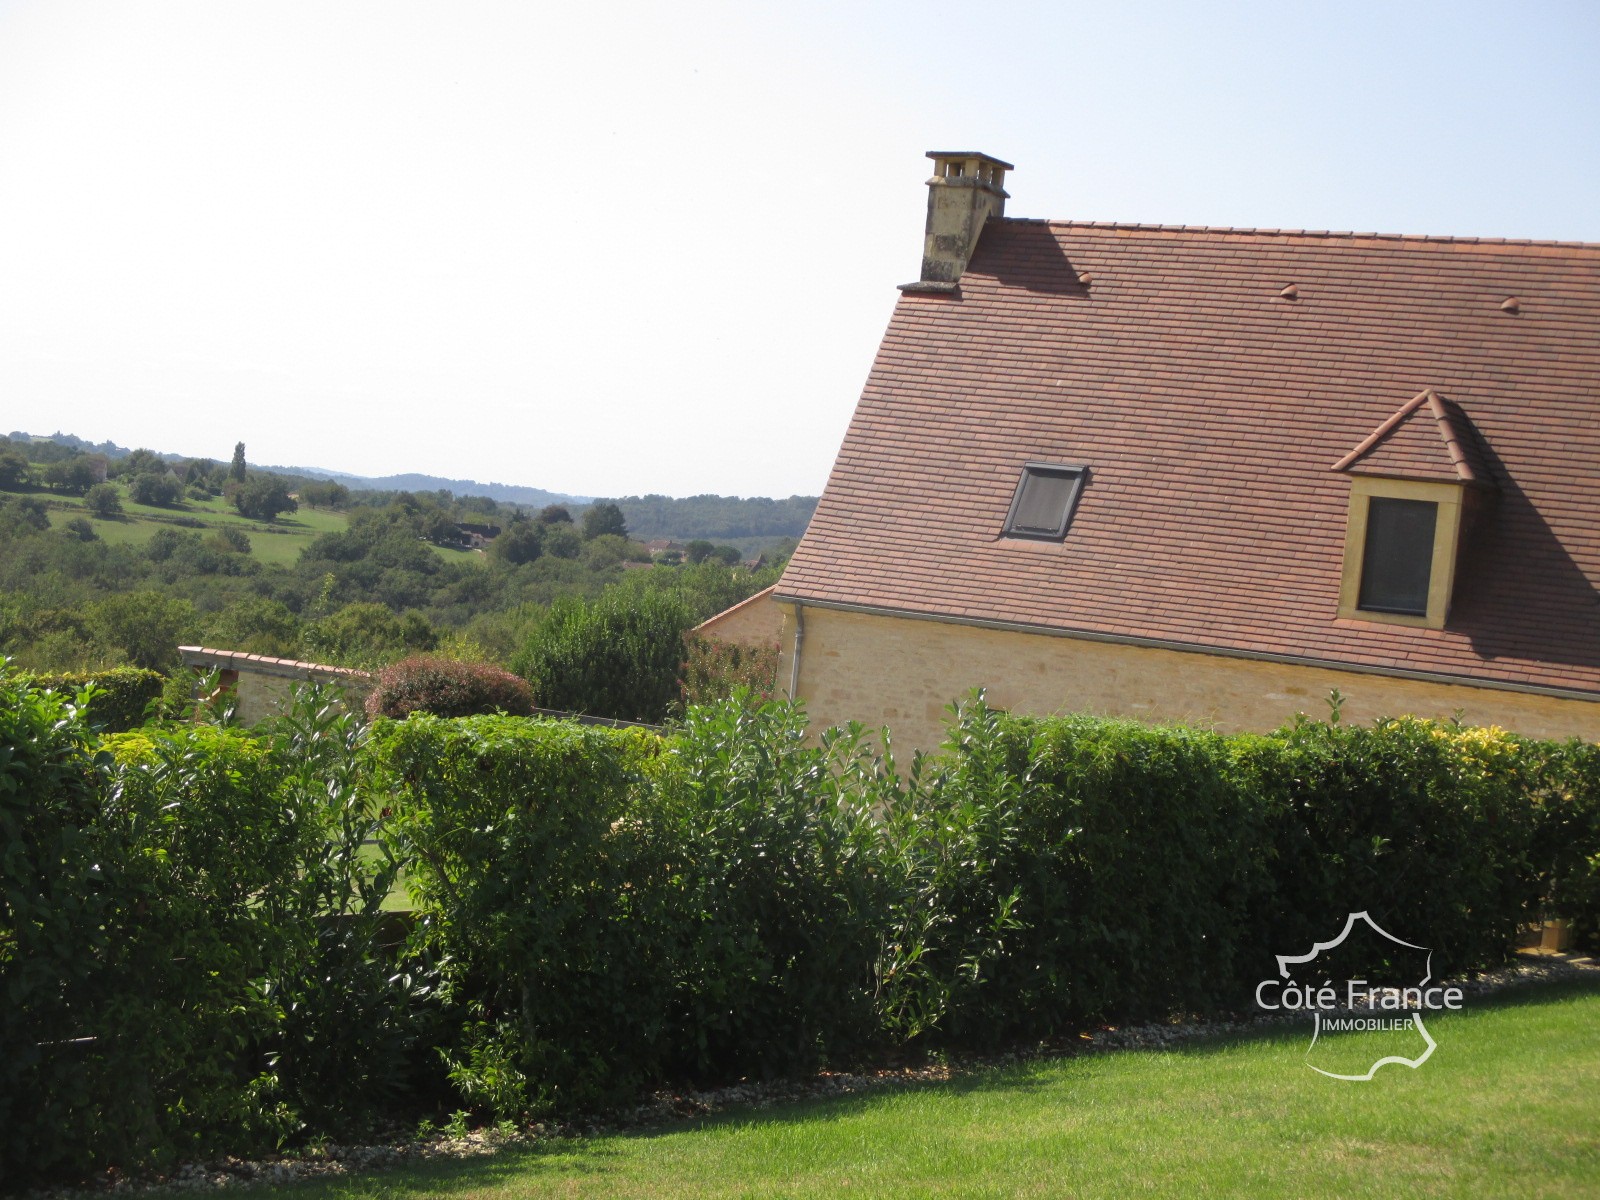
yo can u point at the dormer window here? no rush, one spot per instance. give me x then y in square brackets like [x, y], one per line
[1400, 550]
[1397, 559]
[1041, 508]
[1409, 481]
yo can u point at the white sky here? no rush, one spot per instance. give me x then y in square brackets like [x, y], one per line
[624, 248]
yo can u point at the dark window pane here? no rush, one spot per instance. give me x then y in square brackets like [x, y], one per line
[1043, 502]
[1399, 556]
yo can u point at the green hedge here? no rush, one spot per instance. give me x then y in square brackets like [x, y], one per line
[123, 694]
[189, 941]
[194, 958]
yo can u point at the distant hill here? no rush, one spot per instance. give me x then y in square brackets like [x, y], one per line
[109, 449]
[511, 493]
[734, 519]
[746, 522]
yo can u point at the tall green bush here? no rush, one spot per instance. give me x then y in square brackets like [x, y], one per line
[616, 656]
[190, 942]
[52, 922]
[122, 695]
[539, 882]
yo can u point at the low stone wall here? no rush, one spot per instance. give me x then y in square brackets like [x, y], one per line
[262, 685]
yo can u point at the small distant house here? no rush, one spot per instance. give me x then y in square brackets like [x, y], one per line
[1210, 475]
[476, 536]
[661, 547]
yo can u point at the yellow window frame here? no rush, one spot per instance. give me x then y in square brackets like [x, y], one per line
[1446, 538]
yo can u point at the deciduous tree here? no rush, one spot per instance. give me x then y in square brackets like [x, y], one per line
[263, 497]
[103, 500]
[602, 519]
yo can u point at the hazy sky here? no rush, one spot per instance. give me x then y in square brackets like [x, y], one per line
[617, 248]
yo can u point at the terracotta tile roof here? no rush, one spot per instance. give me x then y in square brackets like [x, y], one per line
[1209, 406]
[1411, 446]
[207, 656]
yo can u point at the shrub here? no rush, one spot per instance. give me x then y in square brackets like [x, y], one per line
[80, 528]
[121, 698]
[1563, 780]
[541, 890]
[713, 670]
[230, 539]
[195, 957]
[447, 688]
[191, 939]
[616, 656]
[50, 922]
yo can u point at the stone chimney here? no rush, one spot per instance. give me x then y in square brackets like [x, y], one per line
[967, 188]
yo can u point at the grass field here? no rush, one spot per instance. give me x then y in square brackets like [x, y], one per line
[1509, 1106]
[279, 542]
[450, 554]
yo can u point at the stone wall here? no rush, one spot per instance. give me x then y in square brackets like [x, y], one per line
[262, 685]
[902, 672]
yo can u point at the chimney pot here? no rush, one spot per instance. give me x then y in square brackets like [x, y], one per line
[967, 188]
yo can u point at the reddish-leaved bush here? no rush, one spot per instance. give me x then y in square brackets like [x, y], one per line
[447, 688]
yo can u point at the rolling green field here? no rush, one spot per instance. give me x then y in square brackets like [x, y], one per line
[277, 542]
[1509, 1106]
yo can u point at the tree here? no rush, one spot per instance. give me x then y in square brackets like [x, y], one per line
[324, 495]
[145, 626]
[255, 624]
[103, 500]
[698, 551]
[23, 515]
[141, 462]
[13, 470]
[521, 543]
[263, 497]
[362, 635]
[441, 530]
[554, 514]
[151, 488]
[80, 529]
[562, 541]
[236, 470]
[603, 519]
[608, 550]
[74, 476]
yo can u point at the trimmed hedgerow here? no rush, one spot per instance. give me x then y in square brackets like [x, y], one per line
[194, 959]
[447, 688]
[122, 695]
[190, 941]
[540, 886]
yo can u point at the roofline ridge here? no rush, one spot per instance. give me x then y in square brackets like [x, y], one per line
[1384, 429]
[1250, 231]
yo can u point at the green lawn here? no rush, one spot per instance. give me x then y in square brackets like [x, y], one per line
[278, 542]
[449, 554]
[1509, 1106]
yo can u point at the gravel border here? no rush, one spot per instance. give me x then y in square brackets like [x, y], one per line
[666, 1107]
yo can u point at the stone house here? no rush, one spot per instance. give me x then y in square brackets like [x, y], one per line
[1209, 476]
